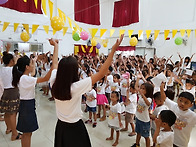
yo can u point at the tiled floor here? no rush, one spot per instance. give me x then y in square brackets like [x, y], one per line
[44, 136]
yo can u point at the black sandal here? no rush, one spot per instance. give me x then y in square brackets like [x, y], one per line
[19, 136]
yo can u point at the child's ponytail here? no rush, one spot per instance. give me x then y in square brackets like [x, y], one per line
[16, 75]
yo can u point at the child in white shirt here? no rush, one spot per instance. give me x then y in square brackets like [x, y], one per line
[164, 137]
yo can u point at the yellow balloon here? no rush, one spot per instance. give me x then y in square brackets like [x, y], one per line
[93, 42]
[105, 45]
[24, 36]
[57, 23]
[133, 41]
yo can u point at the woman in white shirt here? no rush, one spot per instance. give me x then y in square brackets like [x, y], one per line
[67, 91]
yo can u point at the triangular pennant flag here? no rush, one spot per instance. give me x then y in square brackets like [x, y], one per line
[70, 24]
[26, 27]
[156, 33]
[140, 33]
[174, 33]
[64, 17]
[121, 32]
[94, 31]
[46, 28]
[81, 29]
[5, 25]
[50, 8]
[102, 31]
[54, 32]
[130, 32]
[77, 26]
[182, 32]
[35, 1]
[15, 26]
[148, 33]
[90, 31]
[60, 13]
[34, 28]
[166, 33]
[111, 32]
[44, 6]
[188, 32]
[65, 30]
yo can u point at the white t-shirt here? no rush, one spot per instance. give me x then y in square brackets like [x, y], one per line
[185, 122]
[165, 139]
[6, 77]
[123, 86]
[131, 108]
[172, 81]
[114, 86]
[192, 90]
[142, 110]
[113, 115]
[27, 87]
[156, 112]
[109, 79]
[101, 88]
[70, 110]
[92, 94]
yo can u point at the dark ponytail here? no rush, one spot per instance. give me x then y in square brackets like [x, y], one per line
[19, 69]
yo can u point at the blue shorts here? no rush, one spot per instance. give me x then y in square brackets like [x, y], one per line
[91, 109]
[142, 128]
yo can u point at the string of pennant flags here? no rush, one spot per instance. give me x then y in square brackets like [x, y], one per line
[93, 31]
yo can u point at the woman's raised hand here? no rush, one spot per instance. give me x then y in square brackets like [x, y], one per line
[53, 41]
[118, 42]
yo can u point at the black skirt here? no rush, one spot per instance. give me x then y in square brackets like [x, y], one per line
[71, 135]
[27, 119]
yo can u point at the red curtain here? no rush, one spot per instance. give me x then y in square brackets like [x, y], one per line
[126, 48]
[87, 11]
[126, 12]
[93, 53]
[22, 6]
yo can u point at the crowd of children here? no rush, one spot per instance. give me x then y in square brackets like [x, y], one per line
[146, 91]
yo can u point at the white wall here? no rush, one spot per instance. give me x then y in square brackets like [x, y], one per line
[162, 14]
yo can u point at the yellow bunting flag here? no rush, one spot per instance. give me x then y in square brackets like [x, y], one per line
[64, 17]
[35, 1]
[148, 33]
[34, 28]
[50, 8]
[174, 33]
[65, 30]
[140, 33]
[54, 32]
[81, 29]
[26, 27]
[15, 26]
[111, 32]
[44, 6]
[166, 33]
[182, 32]
[130, 32]
[121, 32]
[70, 24]
[91, 49]
[60, 13]
[46, 28]
[83, 49]
[94, 31]
[5, 25]
[156, 33]
[77, 26]
[102, 31]
[90, 31]
[188, 32]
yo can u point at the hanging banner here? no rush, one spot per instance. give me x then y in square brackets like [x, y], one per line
[50, 8]
[130, 32]
[65, 30]
[70, 24]
[83, 49]
[26, 27]
[182, 32]
[188, 32]
[54, 32]
[156, 33]
[35, 1]
[148, 33]
[5, 25]
[166, 33]
[112, 32]
[16, 26]
[34, 28]
[121, 32]
[46, 28]
[140, 33]
[44, 6]
[174, 33]
[102, 31]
